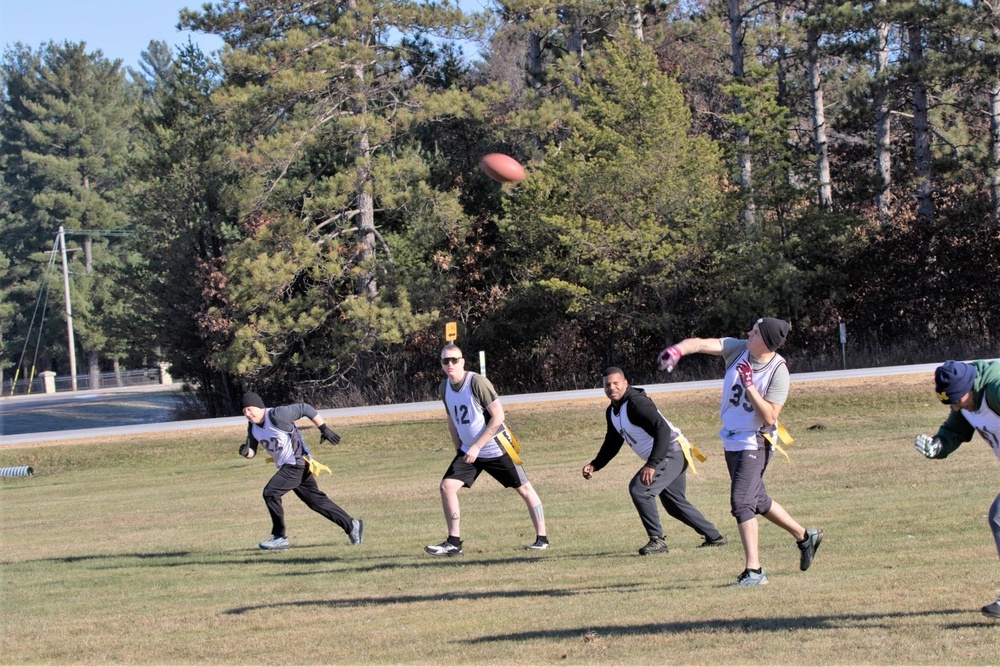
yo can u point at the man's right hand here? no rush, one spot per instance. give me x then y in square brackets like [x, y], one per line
[668, 359]
[928, 446]
[588, 471]
[246, 451]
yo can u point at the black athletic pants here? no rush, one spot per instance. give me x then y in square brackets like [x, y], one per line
[297, 478]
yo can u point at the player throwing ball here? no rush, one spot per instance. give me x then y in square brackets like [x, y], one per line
[972, 391]
[275, 429]
[482, 443]
[753, 392]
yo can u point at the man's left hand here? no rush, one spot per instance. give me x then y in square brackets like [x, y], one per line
[745, 372]
[327, 433]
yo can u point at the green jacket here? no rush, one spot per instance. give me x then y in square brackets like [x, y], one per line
[956, 429]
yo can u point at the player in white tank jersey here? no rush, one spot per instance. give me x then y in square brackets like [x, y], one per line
[478, 432]
[753, 392]
[972, 390]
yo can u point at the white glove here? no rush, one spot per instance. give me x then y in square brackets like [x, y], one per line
[928, 446]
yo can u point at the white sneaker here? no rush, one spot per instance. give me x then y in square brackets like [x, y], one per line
[274, 543]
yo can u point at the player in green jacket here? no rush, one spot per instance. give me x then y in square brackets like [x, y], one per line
[973, 392]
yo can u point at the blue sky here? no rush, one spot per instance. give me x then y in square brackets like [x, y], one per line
[119, 28]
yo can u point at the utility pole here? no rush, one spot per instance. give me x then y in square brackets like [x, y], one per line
[69, 309]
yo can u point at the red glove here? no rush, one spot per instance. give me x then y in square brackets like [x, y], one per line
[745, 372]
[668, 359]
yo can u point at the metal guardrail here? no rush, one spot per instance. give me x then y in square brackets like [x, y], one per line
[132, 378]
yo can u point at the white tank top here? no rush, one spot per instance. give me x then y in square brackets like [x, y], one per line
[637, 438]
[279, 444]
[469, 417]
[740, 422]
[987, 424]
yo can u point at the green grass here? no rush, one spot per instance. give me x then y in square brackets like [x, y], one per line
[142, 550]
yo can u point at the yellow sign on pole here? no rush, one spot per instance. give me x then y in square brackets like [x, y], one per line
[450, 331]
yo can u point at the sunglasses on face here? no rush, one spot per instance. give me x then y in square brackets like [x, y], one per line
[447, 361]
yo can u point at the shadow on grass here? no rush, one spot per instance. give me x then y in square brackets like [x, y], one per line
[734, 625]
[437, 597]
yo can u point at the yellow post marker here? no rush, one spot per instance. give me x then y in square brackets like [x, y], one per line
[450, 331]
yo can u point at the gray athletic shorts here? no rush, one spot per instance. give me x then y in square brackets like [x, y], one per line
[502, 469]
[747, 495]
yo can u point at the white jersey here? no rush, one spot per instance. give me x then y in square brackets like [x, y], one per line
[987, 424]
[470, 417]
[740, 422]
[280, 444]
[637, 438]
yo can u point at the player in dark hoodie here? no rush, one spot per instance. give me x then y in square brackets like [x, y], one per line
[633, 417]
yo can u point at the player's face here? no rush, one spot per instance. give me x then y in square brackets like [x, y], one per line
[254, 414]
[615, 386]
[964, 403]
[453, 364]
[755, 343]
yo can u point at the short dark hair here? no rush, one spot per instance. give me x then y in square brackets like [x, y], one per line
[611, 370]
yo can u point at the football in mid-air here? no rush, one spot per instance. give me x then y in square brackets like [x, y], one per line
[502, 168]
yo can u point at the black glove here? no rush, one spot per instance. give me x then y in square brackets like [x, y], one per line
[327, 433]
[246, 451]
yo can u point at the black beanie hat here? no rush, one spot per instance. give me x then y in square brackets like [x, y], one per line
[251, 399]
[773, 331]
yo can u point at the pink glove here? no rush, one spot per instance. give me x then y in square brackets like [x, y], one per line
[745, 372]
[668, 359]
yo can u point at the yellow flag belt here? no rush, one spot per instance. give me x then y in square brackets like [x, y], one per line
[509, 442]
[690, 450]
[315, 467]
[780, 436]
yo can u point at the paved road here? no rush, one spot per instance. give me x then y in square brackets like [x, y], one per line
[99, 407]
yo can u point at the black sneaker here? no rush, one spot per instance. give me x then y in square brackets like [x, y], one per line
[656, 545]
[537, 545]
[446, 548]
[720, 541]
[992, 610]
[808, 547]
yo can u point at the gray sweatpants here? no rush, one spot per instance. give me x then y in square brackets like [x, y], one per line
[670, 484]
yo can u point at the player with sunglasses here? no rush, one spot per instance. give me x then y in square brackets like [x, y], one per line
[482, 443]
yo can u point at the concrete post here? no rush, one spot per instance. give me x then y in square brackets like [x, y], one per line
[49, 381]
[165, 373]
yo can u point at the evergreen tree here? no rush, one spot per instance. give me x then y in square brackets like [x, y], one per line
[66, 134]
[320, 97]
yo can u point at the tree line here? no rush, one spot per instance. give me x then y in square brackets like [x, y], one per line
[301, 213]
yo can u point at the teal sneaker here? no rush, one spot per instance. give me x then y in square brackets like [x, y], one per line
[749, 578]
[357, 535]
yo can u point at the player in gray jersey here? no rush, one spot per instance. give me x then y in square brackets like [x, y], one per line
[633, 418]
[482, 444]
[753, 392]
[275, 430]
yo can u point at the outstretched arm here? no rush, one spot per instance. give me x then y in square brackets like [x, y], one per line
[669, 357]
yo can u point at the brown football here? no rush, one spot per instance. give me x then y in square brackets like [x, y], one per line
[502, 168]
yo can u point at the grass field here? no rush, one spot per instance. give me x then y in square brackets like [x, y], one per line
[143, 550]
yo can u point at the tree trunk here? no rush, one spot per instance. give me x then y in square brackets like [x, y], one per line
[883, 157]
[821, 146]
[534, 60]
[921, 126]
[94, 367]
[118, 373]
[742, 138]
[635, 21]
